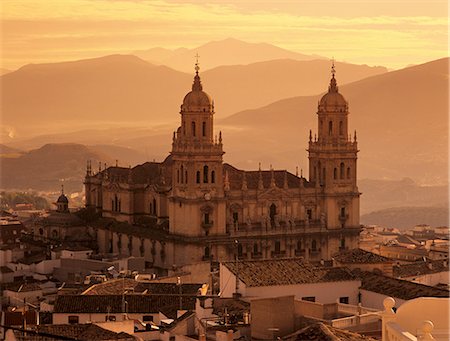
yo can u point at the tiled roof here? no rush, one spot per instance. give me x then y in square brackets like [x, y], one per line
[113, 303]
[80, 332]
[405, 239]
[397, 288]
[322, 332]
[146, 173]
[116, 286]
[235, 177]
[420, 268]
[285, 272]
[359, 256]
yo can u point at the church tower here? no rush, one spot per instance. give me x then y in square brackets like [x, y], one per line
[332, 160]
[197, 205]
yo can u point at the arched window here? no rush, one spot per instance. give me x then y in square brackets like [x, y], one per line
[154, 206]
[342, 170]
[314, 246]
[54, 234]
[151, 208]
[255, 248]
[198, 177]
[348, 172]
[341, 128]
[118, 208]
[204, 129]
[185, 177]
[335, 173]
[240, 253]
[330, 128]
[277, 246]
[207, 252]
[299, 245]
[342, 243]
[182, 171]
[272, 212]
[193, 128]
[205, 174]
[178, 175]
[213, 177]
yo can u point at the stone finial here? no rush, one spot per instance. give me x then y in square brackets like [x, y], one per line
[272, 178]
[220, 137]
[260, 179]
[427, 328]
[354, 138]
[174, 137]
[296, 171]
[88, 168]
[244, 182]
[388, 304]
[310, 135]
[226, 182]
[99, 167]
[117, 163]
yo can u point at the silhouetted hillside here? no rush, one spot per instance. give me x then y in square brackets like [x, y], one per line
[408, 217]
[126, 90]
[216, 53]
[46, 167]
[401, 118]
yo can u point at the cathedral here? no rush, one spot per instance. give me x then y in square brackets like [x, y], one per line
[193, 207]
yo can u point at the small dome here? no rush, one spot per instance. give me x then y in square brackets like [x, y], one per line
[197, 99]
[333, 99]
[62, 199]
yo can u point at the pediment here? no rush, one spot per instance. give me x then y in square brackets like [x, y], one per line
[274, 193]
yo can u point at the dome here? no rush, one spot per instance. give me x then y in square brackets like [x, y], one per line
[333, 99]
[197, 99]
[62, 199]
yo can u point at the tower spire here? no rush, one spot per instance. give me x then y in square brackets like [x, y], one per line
[333, 84]
[197, 86]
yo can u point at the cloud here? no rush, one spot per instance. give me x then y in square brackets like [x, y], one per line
[33, 30]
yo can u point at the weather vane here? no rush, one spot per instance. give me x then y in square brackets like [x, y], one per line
[333, 71]
[196, 63]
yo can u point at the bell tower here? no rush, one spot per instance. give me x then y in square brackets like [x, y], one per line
[332, 160]
[197, 205]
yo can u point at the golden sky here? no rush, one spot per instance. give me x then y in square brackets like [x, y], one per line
[376, 32]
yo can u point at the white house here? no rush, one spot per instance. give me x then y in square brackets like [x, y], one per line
[281, 277]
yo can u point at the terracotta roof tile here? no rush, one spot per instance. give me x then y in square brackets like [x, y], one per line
[420, 268]
[359, 256]
[80, 332]
[397, 288]
[322, 332]
[113, 303]
[285, 272]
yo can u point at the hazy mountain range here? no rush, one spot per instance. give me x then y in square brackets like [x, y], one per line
[117, 89]
[217, 53]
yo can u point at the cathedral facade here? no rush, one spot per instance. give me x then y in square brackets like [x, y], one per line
[193, 206]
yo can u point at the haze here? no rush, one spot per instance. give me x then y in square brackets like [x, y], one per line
[389, 33]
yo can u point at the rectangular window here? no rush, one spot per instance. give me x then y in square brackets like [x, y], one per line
[309, 214]
[343, 300]
[309, 298]
[73, 319]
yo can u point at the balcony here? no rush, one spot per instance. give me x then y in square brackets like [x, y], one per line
[300, 253]
[278, 254]
[207, 225]
[343, 218]
[257, 255]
